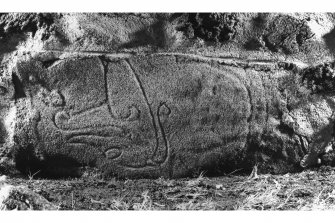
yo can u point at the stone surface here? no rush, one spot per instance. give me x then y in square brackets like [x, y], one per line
[149, 95]
[159, 115]
[22, 198]
[149, 115]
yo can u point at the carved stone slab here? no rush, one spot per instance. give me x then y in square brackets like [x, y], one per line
[150, 116]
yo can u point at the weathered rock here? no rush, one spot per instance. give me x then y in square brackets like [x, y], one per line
[169, 115]
[148, 95]
[151, 115]
[22, 198]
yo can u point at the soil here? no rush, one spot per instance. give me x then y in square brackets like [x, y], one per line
[308, 190]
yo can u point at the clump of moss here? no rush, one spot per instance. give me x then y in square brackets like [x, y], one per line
[217, 27]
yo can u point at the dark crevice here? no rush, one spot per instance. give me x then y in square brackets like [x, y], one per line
[52, 166]
[305, 150]
[267, 109]
[104, 63]
[251, 105]
[3, 132]
[288, 66]
[18, 87]
[49, 63]
[26, 160]
[320, 78]
[283, 128]
[329, 40]
[253, 44]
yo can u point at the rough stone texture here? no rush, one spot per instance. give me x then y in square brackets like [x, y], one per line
[149, 95]
[112, 114]
[216, 27]
[21, 198]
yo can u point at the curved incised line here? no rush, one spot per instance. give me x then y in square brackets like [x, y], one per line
[105, 65]
[114, 116]
[147, 102]
[163, 133]
[89, 108]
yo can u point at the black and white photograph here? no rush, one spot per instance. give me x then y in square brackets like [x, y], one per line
[167, 111]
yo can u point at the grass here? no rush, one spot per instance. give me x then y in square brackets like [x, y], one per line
[290, 192]
[309, 190]
[31, 176]
[146, 203]
[119, 205]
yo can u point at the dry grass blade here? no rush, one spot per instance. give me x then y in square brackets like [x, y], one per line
[264, 198]
[254, 174]
[119, 204]
[195, 182]
[146, 203]
[323, 201]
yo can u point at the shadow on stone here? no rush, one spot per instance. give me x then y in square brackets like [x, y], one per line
[253, 44]
[55, 166]
[153, 35]
[18, 87]
[3, 132]
[26, 161]
[321, 141]
[330, 40]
